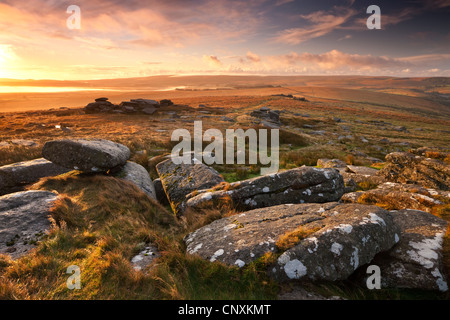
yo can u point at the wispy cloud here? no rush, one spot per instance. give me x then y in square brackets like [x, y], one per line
[253, 57]
[320, 24]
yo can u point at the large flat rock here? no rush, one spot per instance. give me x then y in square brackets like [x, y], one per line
[24, 220]
[86, 155]
[341, 238]
[299, 185]
[15, 176]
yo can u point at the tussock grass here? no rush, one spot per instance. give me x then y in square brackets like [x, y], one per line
[102, 222]
[13, 154]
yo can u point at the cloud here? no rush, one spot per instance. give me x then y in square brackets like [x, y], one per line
[346, 37]
[281, 2]
[427, 58]
[253, 57]
[212, 61]
[321, 23]
[336, 59]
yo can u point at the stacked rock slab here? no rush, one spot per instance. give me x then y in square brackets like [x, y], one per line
[404, 167]
[14, 176]
[343, 237]
[24, 220]
[178, 180]
[416, 260]
[101, 105]
[86, 155]
[304, 184]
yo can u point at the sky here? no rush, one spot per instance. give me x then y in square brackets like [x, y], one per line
[137, 38]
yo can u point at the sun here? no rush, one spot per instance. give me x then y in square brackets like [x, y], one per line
[7, 57]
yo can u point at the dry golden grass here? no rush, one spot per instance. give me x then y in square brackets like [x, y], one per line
[103, 223]
[292, 238]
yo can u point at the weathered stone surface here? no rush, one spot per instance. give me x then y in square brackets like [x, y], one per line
[179, 180]
[399, 196]
[86, 155]
[304, 184]
[24, 220]
[362, 179]
[331, 163]
[404, 167]
[416, 260]
[145, 258]
[362, 170]
[344, 236]
[425, 151]
[137, 174]
[15, 176]
[351, 238]
[149, 110]
[353, 174]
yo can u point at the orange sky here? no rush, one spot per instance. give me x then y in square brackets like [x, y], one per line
[286, 37]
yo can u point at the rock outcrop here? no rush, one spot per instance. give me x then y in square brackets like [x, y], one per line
[399, 196]
[24, 220]
[416, 260]
[138, 175]
[338, 239]
[407, 168]
[15, 176]
[269, 118]
[86, 155]
[101, 105]
[353, 175]
[134, 106]
[304, 184]
[331, 163]
[179, 180]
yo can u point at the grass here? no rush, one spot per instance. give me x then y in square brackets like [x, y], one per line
[15, 154]
[292, 238]
[102, 222]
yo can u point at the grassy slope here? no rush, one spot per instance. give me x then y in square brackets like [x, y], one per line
[103, 223]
